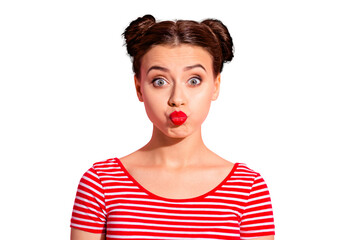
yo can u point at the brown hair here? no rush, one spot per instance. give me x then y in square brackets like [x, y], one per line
[211, 34]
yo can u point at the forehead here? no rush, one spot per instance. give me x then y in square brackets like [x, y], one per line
[178, 56]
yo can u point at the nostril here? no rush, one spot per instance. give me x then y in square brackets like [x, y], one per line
[176, 104]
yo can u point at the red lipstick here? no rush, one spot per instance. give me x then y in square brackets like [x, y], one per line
[178, 117]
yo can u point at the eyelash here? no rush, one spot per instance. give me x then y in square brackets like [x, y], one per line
[156, 79]
[198, 78]
[195, 77]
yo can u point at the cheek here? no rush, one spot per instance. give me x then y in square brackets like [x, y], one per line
[201, 106]
[154, 106]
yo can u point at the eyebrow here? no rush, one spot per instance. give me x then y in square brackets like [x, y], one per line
[157, 68]
[187, 68]
[194, 66]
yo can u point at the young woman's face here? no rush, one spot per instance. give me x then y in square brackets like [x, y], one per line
[177, 78]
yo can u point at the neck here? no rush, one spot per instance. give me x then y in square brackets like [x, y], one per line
[170, 152]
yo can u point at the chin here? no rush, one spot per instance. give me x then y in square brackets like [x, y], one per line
[176, 132]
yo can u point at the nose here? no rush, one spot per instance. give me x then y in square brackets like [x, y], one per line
[177, 97]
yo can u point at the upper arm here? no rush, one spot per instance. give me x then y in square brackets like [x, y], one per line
[89, 212]
[265, 238]
[77, 234]
[257, 222]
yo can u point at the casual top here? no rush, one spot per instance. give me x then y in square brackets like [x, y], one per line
[110, 201]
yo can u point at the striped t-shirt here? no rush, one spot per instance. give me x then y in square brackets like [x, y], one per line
[110, 201]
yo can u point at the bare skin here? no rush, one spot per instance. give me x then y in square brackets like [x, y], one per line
[175, 163]
[177, 182]
[77, 234]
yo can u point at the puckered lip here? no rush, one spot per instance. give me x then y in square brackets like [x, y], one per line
[178, 114]
[178, 117]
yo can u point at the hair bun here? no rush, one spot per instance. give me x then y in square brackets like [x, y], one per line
[222, 33]
[136, 30]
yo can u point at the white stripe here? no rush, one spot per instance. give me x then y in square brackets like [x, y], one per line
[92, 181]
[91, 195]
[177, 232]
[87, 214]
[88, 220]
[242, 168]
[258, 231]
[87, 227]
[258, 218]
[241, 175]
[87, 200]
[226, 198]
[124, 193]
[209, 209]
[178, 203]
[258, 205]
[169, 226]
[114, 177]
[232, 192]
[116, 181]
[258, 184]
[259, 198]
[169, 219]
[89, 208]
[105, 164]
[244, 174]
[177, 214]
[91, 188]
[257, 224]
[155, 237]
[258, 191]
[93, 174]
[108, 168]
[242, 164]
[236, 186]
[256, 212]
[242, 181]
[121, 187]
[112, 172]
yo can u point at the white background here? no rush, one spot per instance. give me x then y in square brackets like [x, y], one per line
[67, 100]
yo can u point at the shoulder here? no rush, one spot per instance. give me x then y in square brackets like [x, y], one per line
[245, 175]
[243, 170]
[102, 167]
[106, 164]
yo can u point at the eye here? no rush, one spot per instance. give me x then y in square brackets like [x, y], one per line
[194, 81]
[158, 82]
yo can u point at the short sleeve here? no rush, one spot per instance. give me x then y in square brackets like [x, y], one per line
[257, 219]
[89, 213]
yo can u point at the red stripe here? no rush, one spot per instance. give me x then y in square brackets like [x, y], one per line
[110, 200]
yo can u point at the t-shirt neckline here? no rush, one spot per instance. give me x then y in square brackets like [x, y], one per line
[174, 199]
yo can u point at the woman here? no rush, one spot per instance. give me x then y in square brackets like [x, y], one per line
[174, 187]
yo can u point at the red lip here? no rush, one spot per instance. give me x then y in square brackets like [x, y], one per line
[178, 117]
